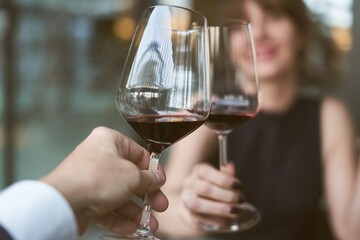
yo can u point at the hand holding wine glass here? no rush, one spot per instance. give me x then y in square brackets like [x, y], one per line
[164, 92]
[235, 99]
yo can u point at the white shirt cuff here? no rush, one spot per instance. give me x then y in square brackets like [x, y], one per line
[35, 210]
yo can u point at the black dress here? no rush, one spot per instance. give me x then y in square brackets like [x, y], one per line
[4, 235]
[278, 160]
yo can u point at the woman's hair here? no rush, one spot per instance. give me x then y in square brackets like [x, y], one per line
[319, 61]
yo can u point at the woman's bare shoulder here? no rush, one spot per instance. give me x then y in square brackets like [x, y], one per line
[334, 112]
[330, 105]
[336, 125]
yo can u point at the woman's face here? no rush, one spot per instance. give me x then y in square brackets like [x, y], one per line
[276, 41]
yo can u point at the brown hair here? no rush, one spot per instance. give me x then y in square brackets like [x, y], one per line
[319, 59]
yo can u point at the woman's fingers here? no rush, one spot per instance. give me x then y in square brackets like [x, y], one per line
[210, 196]
[208, 190]
[210, 183]
[199, 205]
[215, 176]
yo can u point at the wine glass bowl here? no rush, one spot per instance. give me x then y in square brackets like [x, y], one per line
[164, 91]
[235, 100]
[233, 73]
[166, 84]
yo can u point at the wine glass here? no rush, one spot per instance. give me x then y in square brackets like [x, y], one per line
[235, 100]
[164, 91]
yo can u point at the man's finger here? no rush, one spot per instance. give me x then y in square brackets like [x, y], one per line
[150, 181]
[131, 151]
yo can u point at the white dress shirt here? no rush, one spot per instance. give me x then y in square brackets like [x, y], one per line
[35, 210]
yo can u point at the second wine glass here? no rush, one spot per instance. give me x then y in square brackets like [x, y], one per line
[164, 90]
[235, 99]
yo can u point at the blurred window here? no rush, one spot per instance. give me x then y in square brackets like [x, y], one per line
[338, 15]
[66, 58]
[335, 13]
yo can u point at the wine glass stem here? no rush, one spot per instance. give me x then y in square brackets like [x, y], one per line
[222, 151]
[146, 212]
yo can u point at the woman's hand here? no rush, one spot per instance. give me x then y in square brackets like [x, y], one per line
[209, 195]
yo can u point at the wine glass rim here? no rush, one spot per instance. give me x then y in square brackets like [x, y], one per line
[232, 23]
[180, 7]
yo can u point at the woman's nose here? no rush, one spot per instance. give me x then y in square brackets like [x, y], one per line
[258, 29]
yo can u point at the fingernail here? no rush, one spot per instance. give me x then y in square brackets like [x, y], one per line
[235, 210]
[159, 176]
[236, 185]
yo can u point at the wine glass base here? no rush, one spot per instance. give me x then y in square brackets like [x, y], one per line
[132, 236]
[248, 217]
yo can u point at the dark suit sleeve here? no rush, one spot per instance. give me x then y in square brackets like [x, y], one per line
[4, 235]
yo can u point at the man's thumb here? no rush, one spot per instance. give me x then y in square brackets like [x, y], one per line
[151, 180]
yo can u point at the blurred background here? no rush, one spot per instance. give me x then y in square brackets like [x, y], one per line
[60, 61]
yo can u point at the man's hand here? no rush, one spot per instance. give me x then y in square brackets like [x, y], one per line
[101, 175]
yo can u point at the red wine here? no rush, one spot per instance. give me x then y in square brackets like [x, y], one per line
[225, 122]
[160, 131]
[230, 111]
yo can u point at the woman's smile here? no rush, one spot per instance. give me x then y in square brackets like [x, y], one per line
[265, 54]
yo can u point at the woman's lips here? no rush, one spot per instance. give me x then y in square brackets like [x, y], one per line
[262, 55]
[265, 55]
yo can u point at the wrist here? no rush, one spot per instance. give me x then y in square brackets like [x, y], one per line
[75, 199]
